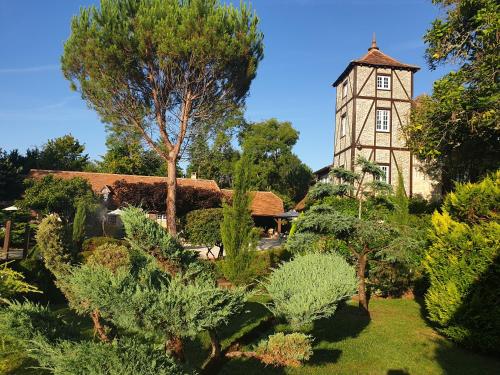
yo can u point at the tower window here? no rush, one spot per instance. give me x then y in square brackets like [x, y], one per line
[383, 82]
[383, 120]
[385, 177]
[344, 89]
[343, 125]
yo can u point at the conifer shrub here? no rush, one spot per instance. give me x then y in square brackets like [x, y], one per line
[309, 288]
[463, 264]
[111, 256]
[90, 244]
[281, 349]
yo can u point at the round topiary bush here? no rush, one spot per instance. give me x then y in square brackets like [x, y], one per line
[310, 287]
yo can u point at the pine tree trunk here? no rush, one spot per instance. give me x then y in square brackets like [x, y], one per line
[171, 195]
[363, 301]
[216, 347]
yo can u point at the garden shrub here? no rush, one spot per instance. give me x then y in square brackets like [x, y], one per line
[203, 227]
[285, 349]
[463, 264]
[310, 287]
[12, 283]
[124, 356]
[90, 244]
[111, 256]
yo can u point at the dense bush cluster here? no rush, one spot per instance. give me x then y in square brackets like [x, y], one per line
[463, 264]
[281, 349]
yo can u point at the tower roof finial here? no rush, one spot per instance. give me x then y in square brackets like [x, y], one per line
[374, 43]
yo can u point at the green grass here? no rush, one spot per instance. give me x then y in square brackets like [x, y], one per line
[395, 341]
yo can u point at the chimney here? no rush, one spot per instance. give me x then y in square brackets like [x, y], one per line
[193, 176]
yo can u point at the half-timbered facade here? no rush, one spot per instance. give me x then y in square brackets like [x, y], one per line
[373, 102]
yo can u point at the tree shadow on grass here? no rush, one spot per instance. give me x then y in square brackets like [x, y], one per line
[348, 322]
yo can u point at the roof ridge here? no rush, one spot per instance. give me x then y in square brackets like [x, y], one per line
[118, 174]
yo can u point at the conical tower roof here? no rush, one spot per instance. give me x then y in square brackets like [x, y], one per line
[375, 57]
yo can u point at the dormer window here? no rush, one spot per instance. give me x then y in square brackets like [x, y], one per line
[383, 82]
[344, 89]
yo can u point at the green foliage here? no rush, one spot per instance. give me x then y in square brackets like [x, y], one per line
[308, 242]
[127, 155]
[401, 204]
[56, 195]
[285, 349]
[275, 166]
[64, 153]
[110, 256]
[50, 239]
[203, 227]
[25, 321]
[321, 190]
[91, 244]
[10, 176]
[323, 219]
[236, 227]
[79, 224]
[473, 203]
[149, 236]
[12, 283]
[212, 155]
[463, 267]
[310, 287]
[455, 130]
[125, 356]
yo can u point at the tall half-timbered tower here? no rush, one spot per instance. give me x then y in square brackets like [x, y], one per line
[373, 102]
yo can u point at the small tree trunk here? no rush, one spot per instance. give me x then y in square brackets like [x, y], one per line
[363, 301]
[171, 195]
[176, 347]
[98, 328]
[216, 347]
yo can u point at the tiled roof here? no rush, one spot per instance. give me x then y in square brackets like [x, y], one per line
[264, 203]
[100, 180]
[375, 57]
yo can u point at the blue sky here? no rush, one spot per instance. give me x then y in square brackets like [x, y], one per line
[308, 43]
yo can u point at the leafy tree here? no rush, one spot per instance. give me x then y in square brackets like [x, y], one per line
[463, 264]
[62, 153]
[203, 228]
[56, 195]
[275, 166]
[237, 225]
[163, 67]
[215, 161]
[455, 130]
[310, 287]
[127, 155]
[350, 182]
[368, 241]
[10, 176]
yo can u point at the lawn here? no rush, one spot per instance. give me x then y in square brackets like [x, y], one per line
[396, 340]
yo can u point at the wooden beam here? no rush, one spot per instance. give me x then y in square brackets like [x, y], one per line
[6, 241]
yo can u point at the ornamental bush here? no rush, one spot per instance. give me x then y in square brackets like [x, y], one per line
[463, 264]
[285, 349]
[310, 287]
